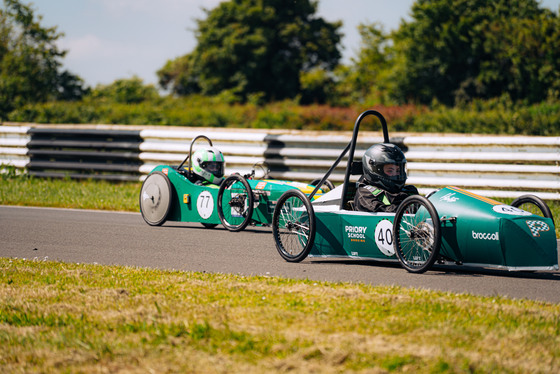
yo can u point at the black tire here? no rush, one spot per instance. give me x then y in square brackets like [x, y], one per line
[235, 207]
[293, 225]
[533, 204]
[327, 183]
[431, 193]
[209, 225]
[155, 198]
[416, 234]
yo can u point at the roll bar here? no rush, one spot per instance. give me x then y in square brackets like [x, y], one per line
[351, 147]
[189, 169]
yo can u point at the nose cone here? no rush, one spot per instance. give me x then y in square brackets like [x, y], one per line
[529, 242]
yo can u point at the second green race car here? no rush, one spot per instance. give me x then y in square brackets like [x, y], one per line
[196, 191]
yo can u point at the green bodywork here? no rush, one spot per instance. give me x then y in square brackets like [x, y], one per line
[475, 230]
[198, 203]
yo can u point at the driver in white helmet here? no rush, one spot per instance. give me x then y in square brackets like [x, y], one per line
[208, 166]
[382, 187]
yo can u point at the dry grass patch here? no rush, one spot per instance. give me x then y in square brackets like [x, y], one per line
[57, 317]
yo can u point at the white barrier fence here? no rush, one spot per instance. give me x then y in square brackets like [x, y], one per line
[498, 166]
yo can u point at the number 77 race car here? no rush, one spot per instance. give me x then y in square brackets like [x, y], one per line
[176, 193]
[451, 226]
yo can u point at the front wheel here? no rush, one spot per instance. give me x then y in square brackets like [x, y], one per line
[417, 234]
[155, 198]
[533, 204]
[293, 225]
[235, 203]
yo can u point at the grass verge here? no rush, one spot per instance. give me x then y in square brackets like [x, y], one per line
[58, 317]
[66, 193]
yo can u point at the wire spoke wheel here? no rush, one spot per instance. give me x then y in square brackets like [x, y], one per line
[293, 226]
[326, 187]
[417, 234]
[534, 205]
[235, 203]
[155, 198]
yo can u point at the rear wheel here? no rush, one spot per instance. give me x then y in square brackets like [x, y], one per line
[293, 226]
[533, 204]
[235, 203]
[417, 234]
[327, 184]
[155, 198]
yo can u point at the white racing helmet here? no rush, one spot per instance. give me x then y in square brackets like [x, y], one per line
[209, 164]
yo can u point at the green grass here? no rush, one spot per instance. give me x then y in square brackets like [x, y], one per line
[59, 318]
[66, 193]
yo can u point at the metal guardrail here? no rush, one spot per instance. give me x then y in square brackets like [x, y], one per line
[498, 166]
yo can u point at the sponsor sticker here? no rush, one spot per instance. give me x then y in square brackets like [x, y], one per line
[260, 185]
[450, 197]
[512, 211]
[165, 171]
[486, 235]
[356, 233]
[537, 227]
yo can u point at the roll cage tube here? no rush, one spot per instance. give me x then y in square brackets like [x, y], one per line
[189, 169]
[352, 147]
[329, 172]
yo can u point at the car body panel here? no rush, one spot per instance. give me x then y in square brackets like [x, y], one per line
[475, 230]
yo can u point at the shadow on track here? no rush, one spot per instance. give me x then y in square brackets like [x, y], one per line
[446, 270]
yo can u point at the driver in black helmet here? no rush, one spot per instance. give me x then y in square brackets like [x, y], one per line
[382, 187]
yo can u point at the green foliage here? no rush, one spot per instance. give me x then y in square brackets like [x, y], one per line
[489, 117]
[458, 50]
[125, 91]
[30, 61]
[317, 87]
[497, 116]
[176, 75]
[258, 47]
[366, 79]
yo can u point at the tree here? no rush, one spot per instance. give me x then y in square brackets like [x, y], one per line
[456, 50]
[257, 47]
[367, 77]
[176, 76]
[126, 91]
[30, 61]
[526, 59]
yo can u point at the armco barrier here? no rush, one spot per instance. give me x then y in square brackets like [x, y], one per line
[499, 166]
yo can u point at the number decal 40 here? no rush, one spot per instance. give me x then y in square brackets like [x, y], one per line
[384, 237]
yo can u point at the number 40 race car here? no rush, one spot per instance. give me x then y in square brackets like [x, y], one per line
[450, 226]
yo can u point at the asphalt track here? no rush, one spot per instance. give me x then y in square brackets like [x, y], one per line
[112, 238]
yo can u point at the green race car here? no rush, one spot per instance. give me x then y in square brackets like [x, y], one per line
[451, 225]
[195, 191]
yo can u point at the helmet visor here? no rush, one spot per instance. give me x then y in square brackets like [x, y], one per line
[395, 172]
[214, 167]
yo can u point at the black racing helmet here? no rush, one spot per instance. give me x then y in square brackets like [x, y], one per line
[374, 161]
